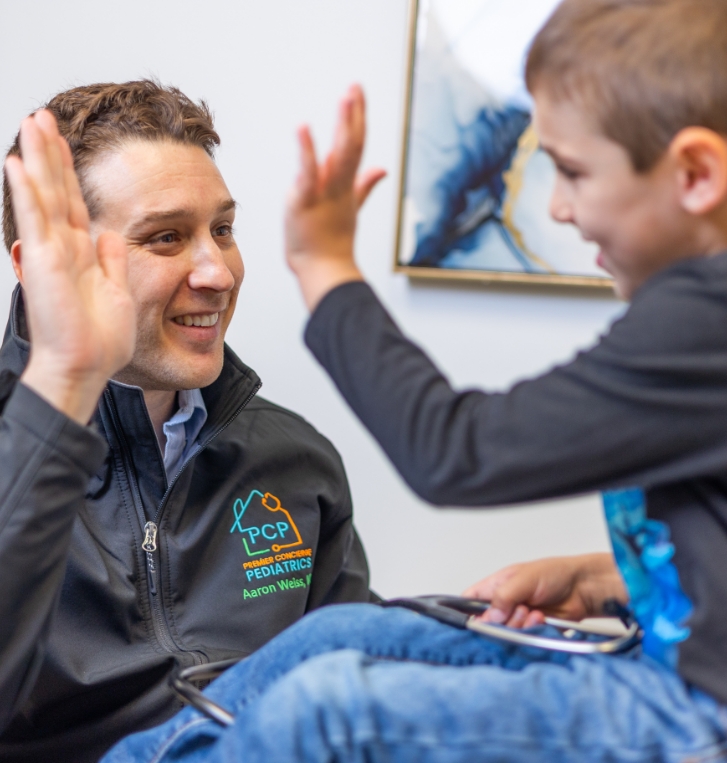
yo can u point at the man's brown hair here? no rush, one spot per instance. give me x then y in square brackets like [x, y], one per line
[645, 69]
[98, 118]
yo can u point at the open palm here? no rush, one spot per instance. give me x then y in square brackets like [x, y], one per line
[80, 313]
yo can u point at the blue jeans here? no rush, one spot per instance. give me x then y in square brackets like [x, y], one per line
[358, 683]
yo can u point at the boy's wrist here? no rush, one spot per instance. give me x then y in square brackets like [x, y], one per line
[320, 276]
[599, 580]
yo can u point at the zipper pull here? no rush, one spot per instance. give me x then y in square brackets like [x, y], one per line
[150, 546]
[150, 537]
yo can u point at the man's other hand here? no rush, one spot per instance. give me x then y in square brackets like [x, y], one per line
[320, 223]
[568, 587]
[80, 313]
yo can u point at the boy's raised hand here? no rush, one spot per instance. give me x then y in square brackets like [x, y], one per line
[80, 313]
[323, 205]
[568, 587]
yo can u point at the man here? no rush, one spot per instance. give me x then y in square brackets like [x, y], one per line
[192, 520]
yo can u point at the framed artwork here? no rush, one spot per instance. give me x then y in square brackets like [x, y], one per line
[475, 185]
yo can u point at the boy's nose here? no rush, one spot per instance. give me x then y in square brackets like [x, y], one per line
[560, 209]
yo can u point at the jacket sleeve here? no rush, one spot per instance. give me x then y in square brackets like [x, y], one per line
[648, 404]
[46, 461]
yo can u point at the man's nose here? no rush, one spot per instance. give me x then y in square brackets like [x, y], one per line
[211, 269]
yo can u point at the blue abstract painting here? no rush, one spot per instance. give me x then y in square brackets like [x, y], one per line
[476, 185]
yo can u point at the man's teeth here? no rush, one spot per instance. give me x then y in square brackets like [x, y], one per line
[197, 320]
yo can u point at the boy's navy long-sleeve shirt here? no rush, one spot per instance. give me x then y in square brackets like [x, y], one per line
[646, 407]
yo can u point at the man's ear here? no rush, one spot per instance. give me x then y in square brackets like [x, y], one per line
[700, 156]
[16, 255]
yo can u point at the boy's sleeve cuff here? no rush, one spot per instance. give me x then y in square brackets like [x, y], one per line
[80, 444]
[337, 300]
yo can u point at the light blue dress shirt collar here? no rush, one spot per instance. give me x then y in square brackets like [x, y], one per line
[183, 429]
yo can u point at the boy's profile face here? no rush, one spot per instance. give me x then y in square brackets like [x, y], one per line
[636, 219]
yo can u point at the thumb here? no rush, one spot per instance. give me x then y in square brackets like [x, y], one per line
[113, 258]
[365, 183]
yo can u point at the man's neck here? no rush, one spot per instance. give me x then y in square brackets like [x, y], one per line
[161, 405]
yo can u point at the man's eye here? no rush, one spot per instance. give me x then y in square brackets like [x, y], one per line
[164, 238]
[223, 230]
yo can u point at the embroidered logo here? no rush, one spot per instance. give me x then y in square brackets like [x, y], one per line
[281, 530]
[272, 544]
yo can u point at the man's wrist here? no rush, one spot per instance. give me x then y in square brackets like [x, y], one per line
[74, 394]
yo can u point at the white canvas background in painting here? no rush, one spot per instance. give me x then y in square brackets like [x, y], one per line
[469, 57]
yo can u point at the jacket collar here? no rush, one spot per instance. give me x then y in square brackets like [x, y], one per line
[223, 398]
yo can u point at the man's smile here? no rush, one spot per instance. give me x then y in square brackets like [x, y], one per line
[197, 319]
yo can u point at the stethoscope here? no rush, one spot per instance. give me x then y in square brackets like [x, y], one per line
[460, 613]
[465, 613]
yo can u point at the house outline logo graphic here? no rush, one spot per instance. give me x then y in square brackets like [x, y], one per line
[269, 531]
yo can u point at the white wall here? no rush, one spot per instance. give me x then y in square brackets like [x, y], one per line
[265, 66]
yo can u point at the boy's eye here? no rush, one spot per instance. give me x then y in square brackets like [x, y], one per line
[567, 172]
[223, 230]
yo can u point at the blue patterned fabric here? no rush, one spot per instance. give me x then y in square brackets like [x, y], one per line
[643, 553]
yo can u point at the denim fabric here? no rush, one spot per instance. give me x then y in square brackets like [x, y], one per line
[361, 683]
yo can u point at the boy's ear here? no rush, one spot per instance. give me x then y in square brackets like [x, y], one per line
[700, 156]
[16, 255]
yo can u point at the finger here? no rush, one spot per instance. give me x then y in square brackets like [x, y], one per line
[518, 617]
[518, 588]
[34, 150]
[29, 219]
[113, 258]
[365, 183]
[308, 179]
[343, 161]
[535, 617]
[482, 590]
[485, 588]
[77, 210]
[47, 124]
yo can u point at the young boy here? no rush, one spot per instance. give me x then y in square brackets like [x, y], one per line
[631, 103]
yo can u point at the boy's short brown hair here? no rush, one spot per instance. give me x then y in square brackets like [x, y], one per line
[97, 118]
[645, 69]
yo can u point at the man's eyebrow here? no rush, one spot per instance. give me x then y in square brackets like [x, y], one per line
[170, 215]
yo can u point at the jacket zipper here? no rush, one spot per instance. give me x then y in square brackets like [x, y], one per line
[150, 546]
[151, 528]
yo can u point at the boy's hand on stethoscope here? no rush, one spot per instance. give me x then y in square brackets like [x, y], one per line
[571, 588]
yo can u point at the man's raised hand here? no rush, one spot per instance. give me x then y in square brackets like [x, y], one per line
[80, 313]
[323, 205]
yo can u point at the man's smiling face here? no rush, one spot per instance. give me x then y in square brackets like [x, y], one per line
[170, 203]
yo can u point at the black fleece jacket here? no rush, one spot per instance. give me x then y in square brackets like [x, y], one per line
[646, 407]
[253, 532]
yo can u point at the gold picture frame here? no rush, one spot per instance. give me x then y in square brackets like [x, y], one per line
[525, 148]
